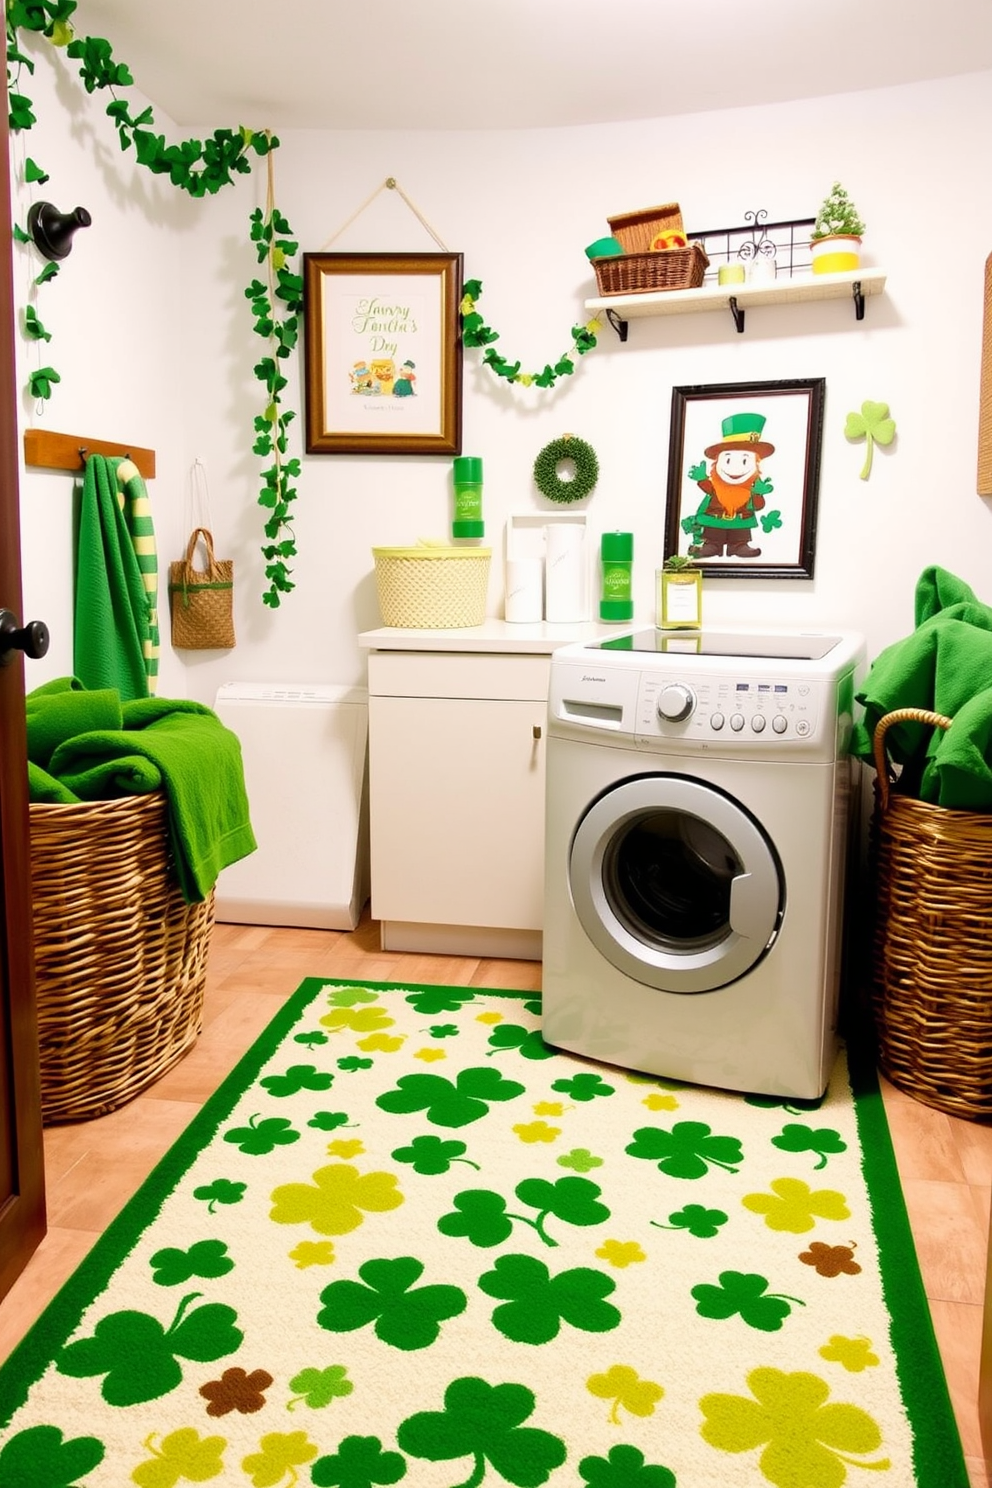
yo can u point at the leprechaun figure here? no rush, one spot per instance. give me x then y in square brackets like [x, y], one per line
[734, 490]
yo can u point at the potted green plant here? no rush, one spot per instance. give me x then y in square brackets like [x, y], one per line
[835, 241]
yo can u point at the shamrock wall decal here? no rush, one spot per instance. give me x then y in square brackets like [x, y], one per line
[872, 424]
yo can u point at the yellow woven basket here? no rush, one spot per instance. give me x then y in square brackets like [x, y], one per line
[432, 587]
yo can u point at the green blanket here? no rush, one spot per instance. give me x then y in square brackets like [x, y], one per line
[174, 743]
[944, 666]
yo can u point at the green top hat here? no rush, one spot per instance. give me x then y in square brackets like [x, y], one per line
[742, 428]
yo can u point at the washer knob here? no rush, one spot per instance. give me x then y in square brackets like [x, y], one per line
[675, 702]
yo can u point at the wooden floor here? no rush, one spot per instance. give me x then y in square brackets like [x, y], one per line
[93, 1166]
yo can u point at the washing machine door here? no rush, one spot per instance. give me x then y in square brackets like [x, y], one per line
[675, 883]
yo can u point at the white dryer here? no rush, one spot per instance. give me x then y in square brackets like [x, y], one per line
[698, 795]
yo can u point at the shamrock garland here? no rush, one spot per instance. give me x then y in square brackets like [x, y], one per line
[476, 333]
[582, 456]
[201, 168]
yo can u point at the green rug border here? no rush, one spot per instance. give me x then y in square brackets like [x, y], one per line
[937, 1451]
[938, 1454]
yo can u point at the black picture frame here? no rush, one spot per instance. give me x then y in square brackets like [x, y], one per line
[775, 431]
[383, 353]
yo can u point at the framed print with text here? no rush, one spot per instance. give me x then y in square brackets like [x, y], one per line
[743, 477]
[383, 353]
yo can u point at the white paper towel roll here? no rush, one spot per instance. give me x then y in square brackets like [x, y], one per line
[524, 589]
[565, 577]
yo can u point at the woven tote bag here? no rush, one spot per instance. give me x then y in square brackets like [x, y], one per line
[201, 600]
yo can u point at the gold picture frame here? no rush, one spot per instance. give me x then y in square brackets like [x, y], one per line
[383, 353]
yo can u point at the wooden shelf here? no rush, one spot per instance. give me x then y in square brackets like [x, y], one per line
[855, 285]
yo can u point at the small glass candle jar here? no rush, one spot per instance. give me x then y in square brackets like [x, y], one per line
[679, 599]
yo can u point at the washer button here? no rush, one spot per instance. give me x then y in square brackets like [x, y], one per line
[758, 723]
[803, 727]
[717, 721]
[780, 723]
[737, 722]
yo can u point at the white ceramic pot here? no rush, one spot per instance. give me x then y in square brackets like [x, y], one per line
[835, 254]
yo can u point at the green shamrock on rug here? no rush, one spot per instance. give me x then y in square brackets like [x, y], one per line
[484, 1422]
[482, 1215]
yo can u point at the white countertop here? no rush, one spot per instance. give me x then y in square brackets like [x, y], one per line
[494, 636]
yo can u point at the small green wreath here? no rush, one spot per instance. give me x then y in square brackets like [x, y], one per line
[582, 456]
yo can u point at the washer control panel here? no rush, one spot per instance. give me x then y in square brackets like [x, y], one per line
[730, 709]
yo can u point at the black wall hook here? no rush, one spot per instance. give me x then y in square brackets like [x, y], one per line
[52, 230]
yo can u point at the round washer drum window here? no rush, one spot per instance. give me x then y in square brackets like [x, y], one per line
[675, 883]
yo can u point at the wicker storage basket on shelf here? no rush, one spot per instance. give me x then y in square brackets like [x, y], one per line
[120, 957]
[931, 941]
[641, 269]
[432, 587]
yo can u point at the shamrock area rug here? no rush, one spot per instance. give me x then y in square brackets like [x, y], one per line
[406, 1242]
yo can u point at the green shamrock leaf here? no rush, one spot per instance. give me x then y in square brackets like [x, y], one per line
[42, 1456]
[431, 1000]
[448, 1104]
[482, 1216]
[347, 997]
[359, 1462]
[311, 1040]
[687, 1150]
[747, 1294]
[432, 1155]
[221, 1191]
[872, 424]
[703, 1223]
[537, 1303]
[33, 326]
[319, 1387]
[259, 1138]
[527, 1042]
[583, 1087]
[405, 1318]
[329, 1120]
[351, 1063]
[580, 1159]
[298, 1077]
[796, 1138]
[40, 382]
[805, 1435]
[282, 1453]
[138, 1356]
[624, 1467]
[770, 521]
[485, 1422]
[357, 1020]
[443, 1030]
[206, 1258]
[181, 1454]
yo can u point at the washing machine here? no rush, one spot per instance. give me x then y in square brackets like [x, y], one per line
[699, 800]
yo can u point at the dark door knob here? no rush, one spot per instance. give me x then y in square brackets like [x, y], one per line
[32, 638]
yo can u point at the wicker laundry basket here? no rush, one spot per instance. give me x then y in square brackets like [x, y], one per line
[931, 941]
[120, 957]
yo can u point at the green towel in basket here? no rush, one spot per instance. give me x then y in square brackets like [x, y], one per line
[944, 666]
[197, 758]
[59, 710]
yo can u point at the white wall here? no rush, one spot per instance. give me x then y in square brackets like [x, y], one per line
[173, 369]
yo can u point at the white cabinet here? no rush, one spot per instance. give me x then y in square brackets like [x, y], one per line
[456, 793]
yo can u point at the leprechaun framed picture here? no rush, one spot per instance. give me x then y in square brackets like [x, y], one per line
[743, 477]
[383, 353]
